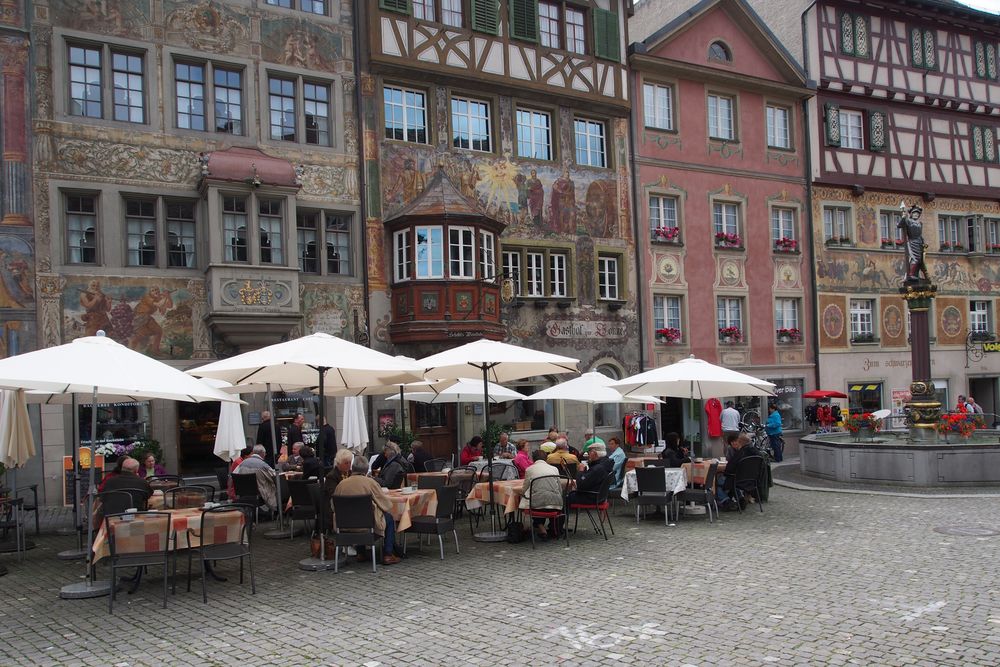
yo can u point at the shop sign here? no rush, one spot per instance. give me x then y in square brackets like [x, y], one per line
[991, 346]
[574, 329]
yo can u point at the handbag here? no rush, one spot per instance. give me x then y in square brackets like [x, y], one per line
[315, 550]
[515, 532]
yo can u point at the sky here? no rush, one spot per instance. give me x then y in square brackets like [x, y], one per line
[985, 5]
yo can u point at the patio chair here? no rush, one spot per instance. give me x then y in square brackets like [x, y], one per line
[355, 519]
[245, 486]
[657, 463]
[435, 465]
[503, 471]
[138, 539]
[431, 482]
[185, 497]
[12, 518]
[222, 477]
[651, 489]
[704, 494]
[594, 501]
[304, 503]
[441, 522]
[29, 504]
[224, 534]
[568, 470]
[746, 477]
[164, 481]
[535, 511]
[116, 502]
[464, 478]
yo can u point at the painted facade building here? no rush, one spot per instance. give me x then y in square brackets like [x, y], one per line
[497, 181]
[907, 111]
[722, 201]
[195, 191]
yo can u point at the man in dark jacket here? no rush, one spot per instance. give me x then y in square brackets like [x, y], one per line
[295, 430]
[393, 474]
[419, 456]
[264, 437]
[128, 480]
[326, 442]
[725, 484]
[588, 482]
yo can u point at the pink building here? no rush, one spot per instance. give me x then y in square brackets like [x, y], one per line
[721, 193]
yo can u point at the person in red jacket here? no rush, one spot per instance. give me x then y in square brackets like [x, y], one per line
[472, 451]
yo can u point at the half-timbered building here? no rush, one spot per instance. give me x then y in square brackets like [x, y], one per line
[496, 173]
[907, 112]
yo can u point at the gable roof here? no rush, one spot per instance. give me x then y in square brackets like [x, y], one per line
[439, 198]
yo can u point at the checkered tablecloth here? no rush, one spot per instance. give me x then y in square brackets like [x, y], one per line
[407, 505]
[506, 494]
[676, 481]
[699, 470]
[132, 535]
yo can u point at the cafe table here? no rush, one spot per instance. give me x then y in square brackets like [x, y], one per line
[407, 504]
[676, 481]
[412, 477]
[506, 493]
[229, 523]
[698, 470]
[634, 462]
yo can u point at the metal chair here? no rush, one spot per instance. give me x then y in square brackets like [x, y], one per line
[355, 519]
[594, 501]
[464, 478]
[746, 478]
[536, 511]
[138, 539]
[222, 477]
[247, 493]
[503, 471]
[304, 503]
[443, 520]
[12, 517]
[658, 463]
[703, 495]
[651, 489]
[29, 505]
[435, 465]
[186, 497]
[431, 482]
[222, 536]
[116, 502]
[568, 470]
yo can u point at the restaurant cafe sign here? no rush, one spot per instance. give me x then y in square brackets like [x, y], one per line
[576, 329]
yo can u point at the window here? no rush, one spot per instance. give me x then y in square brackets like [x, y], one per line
[608, 414]
[985, 54]
[430, 252]
[404, 261]
[950, 236]
[720, 118]
[726, 221]
[557, 20]
[719, 52]
[448, 12]
[487, 255]
[194, 83]
[270, 221]
[852, 133]
[316, 230]
[979, 316]
[667, 315]
[460, 253]
[90, 83]
[854, 35]
[786, 315]
[308, 6]
[778, 127]
[181, 230]
[538, 272]
[548, 25]
[143, 222]
[287, 98]
[663, 218]
[729, 316]
[470, 124]
[888, 224]
[866, 397]
[923, 48]
[590, 146]
[783, 228]
[608, 277]
[234, 227]
[862, 320]
[576, 37]
[140, 231]
[836, 224]
[534, 134]
[405, 114]
[81, 229]
[973, 234]
[984, 144]
[992, 235]
[658, 106]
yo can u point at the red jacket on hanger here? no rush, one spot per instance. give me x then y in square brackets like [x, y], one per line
[713, 408]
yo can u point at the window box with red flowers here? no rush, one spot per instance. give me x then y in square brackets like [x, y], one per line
[891, 244]
[729, 241]
[667, 235]
[669, 335]
[952, 247]
[838, 240]
[863, 425]
[791, 335]
[994, 247]
[730, 335]
[785, 244]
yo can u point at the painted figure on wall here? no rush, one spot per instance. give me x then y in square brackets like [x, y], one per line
[16, 278]
[562, 215]
[521, 181]
[408, 184]
[536, 198]
[601, 209]
[468, 180]
[97, 306]
[147, 331]
[915, 246]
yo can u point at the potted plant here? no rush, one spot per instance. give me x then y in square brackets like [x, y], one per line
[886, 242]
[730, 334]
[668, 234]
[862, 425]
[728, 240]
[958, 423]
[790, 335]
[668, 335]
[900, 243]
[785, 244]
[398, 434]
[945, 246]
[863, 338]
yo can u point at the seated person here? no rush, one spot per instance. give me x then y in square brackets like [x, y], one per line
[379, 460]
[282, 457]
[128, 479]
[472, 451]
[114, 473]
[724, 484]
[393, 472]
[233, 465]
[419, 456]
[619, 459]
[359, 484]
[589, 438]
[588, 482]
[552, 498]
[341, 471]
[254, 462]
[150, 468]
[294, 460]
[311, 465]
[522, 459]
[674, 453]
[505, 448]
[562, 454]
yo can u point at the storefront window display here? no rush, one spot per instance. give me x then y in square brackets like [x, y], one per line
[864, 396]
[117, 423]
[788, 398]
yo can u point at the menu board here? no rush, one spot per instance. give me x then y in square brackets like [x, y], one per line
[84, 455]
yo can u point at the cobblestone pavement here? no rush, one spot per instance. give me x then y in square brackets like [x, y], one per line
[817, 579]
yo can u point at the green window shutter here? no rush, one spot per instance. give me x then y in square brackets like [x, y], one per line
[832, 124]
[876, 131]
[524, 19]
[606, 37]
[486, 16]
[401, 6]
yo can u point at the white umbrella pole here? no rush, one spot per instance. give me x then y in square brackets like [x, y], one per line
[494, 535]
[320, 563]
[279, 533]
[78, 553]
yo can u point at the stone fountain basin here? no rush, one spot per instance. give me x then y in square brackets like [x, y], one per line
[892, 458]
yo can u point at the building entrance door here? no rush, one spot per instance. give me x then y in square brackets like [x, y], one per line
[984, 390]
[196, 426]
[434, 425]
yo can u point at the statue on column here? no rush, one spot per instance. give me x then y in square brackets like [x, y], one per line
[915, 246]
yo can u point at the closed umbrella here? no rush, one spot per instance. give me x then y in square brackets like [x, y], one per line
[354, 435]
[230, 438]
[17, 445]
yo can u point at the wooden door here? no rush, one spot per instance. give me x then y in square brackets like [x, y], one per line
[434, 425]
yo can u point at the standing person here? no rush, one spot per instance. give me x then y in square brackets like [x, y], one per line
[960, 404]
[295, 429]
[264, 436]
[973, 406]
[773, 430]
[326, 442]
[730, 421]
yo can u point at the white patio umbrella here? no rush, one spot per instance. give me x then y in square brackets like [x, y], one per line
[593, 388]
[497, 362]
[465, 390]
[318, 359]
[16, 442]
[354, 434]
[695, 379]
[96, 367]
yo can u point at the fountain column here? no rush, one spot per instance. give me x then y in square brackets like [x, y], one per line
[924, 408]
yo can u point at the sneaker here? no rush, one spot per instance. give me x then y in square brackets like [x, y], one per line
[351, 551]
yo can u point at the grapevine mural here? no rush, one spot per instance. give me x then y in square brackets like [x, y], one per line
[152, 317]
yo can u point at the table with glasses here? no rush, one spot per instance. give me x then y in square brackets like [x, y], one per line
[227, 529]
[676, 481]
[408, 504]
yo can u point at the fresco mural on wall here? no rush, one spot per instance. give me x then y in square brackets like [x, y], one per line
[207, 25]
[328, 309]
[16, 273]
[301, 43]
[16, 337]
[114, 17]
[152, 317]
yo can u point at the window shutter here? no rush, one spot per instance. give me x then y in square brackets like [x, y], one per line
[524, 19]
[606, 37]
[401, 6]
[832, 124]
[486, 16]
[876, 131]
[847, 34]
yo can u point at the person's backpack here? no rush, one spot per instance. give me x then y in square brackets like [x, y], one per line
[515, 532]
